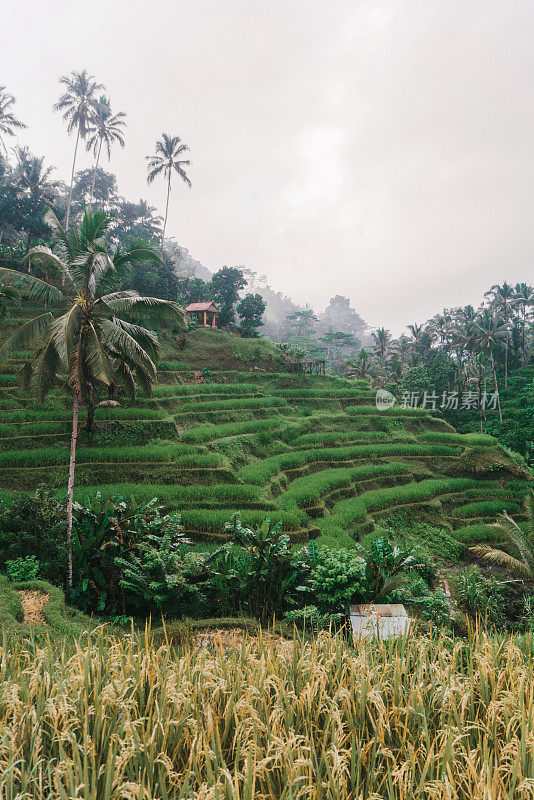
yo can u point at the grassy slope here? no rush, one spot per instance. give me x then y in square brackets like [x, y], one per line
[312, 452]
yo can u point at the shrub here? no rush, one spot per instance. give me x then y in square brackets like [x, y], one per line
[338, 579]
[34, 525]
[23, 569]
[479, 595]
[262, 575]
[160, 574]
[129, 558]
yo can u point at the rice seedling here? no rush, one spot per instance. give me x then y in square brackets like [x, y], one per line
[466, 439]
[213, 521]
[174, 496]
[355, 509]
[423, 717]
[206, 433]
[307, 490]
[177, 453]
[486, 508]
[221, 405]
[260, 471]
[393, 411]
[176, 390]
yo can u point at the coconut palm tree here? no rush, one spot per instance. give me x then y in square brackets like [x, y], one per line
[106, 128]
[488, 330]
[383, 342]
[85, 340]
[504, 300]
[77, 106]
[518, 558]
[8, 121]
[33, 178]
[167, 161]
[525, 302]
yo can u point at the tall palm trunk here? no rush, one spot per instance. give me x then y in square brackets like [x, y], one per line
[496, 384]
[166, 209]
[72, 178]
[70, 489]
[94, 173]
[506, 361]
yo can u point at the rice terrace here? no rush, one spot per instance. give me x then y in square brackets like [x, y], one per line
[251, 549]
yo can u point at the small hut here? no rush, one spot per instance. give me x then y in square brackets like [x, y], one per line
[204, 313]
[381, 620]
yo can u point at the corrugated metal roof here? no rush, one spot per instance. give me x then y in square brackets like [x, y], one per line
[201, 307]
[379, 610]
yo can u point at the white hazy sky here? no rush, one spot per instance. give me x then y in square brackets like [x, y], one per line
[381, 149]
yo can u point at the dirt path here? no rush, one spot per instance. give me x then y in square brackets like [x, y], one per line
[34, 604]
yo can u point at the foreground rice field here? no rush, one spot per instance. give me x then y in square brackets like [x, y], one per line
[120, 718]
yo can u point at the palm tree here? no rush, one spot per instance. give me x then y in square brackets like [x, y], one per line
[33, 177]
[77, 105]
[525, 302]
[106, 129]
[519, 562]
[382, 340]
[167, 160]
[503, 300]
[8, 121]
[86, 341]
[488, 331]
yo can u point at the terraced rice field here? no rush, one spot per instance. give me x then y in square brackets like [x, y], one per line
[314, 453]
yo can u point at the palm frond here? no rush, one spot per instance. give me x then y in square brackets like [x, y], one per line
[138, 251]
[27, 335]
[119, 339]
[43, 257]
[99, 365]
[31, 286]
[125, 377]
[148, 340]
[45, 370]
[499, 558]
[167, 309]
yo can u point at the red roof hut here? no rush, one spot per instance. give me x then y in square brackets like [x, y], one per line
[204, 313]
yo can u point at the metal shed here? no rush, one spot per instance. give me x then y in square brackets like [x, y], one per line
[381, 620]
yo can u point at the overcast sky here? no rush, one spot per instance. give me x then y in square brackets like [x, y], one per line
[380, 149]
